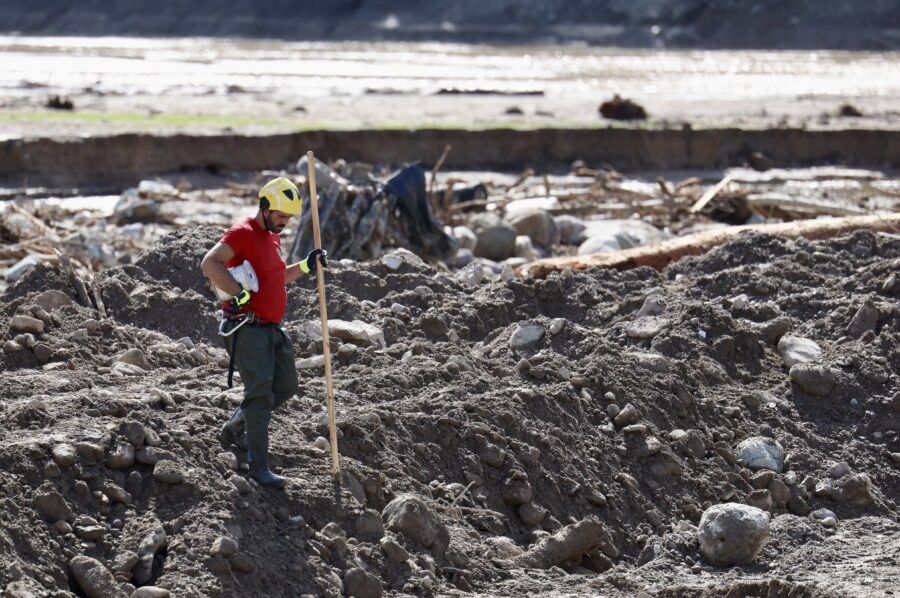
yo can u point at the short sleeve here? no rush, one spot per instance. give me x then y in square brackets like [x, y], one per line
[238, 238]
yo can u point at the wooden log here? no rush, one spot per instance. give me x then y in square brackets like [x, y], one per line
[659, 255]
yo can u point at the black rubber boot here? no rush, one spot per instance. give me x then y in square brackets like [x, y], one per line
[258, 449]
[233, 433]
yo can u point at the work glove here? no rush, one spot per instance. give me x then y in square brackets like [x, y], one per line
[308, 266]
[237, 303]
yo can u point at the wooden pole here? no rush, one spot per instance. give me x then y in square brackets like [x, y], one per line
[323, 315]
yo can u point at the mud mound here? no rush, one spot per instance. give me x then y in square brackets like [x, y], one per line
[559, 435]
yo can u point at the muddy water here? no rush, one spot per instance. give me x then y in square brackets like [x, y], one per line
[286, 71]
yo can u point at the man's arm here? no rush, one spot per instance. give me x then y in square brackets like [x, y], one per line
[307, 266]
[292, 273]
[213, 266]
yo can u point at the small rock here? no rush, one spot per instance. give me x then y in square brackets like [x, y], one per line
[759, 452]
[134, 356]
[813, 379]
[413, 518]
[825, 517]
[150, 592]
[629, 415]
[242, 563]
[732, 534]
[52, 300]
[53, 506]
[95, 580]
[556, 325]
[121, 456]
[761, 499]
[64, 455]
[124, 562]
[525, 335]
[225, 546]
[865, 319]
[322, 444]
[168, 472]
[838, 470]
[361, 584]
[27, 324]
[889, 283]
[796, 349]
[90, 452]
[531, 514]
[394, 550]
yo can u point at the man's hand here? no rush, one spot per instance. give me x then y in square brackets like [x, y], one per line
[238, 302]
[308, 266]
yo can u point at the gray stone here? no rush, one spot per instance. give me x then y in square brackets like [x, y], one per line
[759, 452]
[411, 517]
[52, 300]
[150, 592]
[355, 331]
[646, 327]
[134, 356]
[121, 456]
[63, 455]
[398, 258]
[865, 319]
[838, 470]
[393, 549]
[95, 580]
[465, 236]
[732, 534]
[761, 499]
[627, 416]
[813, 379]
[495, 240]
[571, 229]
[796, 349]
[53, 506]
[361, 584]
[147, 549]
[531, 514]
[526, 334]
[525, 249]
[168, 472]
[19, 324]
[536, 224]
[825, 517]
[15, 272]
[224, 546]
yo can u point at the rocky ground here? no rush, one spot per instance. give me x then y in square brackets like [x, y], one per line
[560, 436]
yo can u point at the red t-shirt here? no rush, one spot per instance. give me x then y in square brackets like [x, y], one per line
[251, 242]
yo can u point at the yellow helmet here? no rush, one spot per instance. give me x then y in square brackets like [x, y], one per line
[282, 195]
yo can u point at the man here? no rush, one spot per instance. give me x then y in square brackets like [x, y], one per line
[258, 343]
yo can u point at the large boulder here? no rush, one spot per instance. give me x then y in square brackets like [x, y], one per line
[732, 533]
[411, 517]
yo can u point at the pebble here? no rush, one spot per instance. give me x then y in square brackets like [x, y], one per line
[322, 444]
[627, 416]
[150, 592]
[362, 584]
[813, 379]
[121, 456]
[556, 325]
[53, 506]
[394, 550]
[865, 319]
[824, 516]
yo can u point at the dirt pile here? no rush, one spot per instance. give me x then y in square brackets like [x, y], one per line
[530, 436]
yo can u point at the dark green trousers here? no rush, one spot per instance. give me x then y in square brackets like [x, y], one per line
[265, 360]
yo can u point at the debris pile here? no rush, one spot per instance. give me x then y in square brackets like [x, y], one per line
[593, 432]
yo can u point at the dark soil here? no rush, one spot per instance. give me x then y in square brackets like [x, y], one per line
[447, 405]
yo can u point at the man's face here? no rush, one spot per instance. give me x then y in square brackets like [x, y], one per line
[278, 220]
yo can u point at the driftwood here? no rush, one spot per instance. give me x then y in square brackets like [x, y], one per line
[659, 255]
[779, 202]
[81, 293]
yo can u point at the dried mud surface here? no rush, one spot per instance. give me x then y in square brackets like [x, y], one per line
[449, 404]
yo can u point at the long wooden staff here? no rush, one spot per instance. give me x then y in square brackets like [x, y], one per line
[323, 314]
